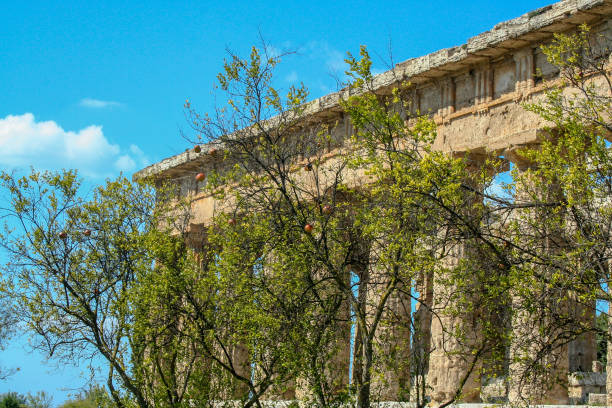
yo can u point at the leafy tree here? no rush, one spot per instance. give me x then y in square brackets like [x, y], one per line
[12, 400]
[565, 234]
[76, 269]
[265, 288]
[393, 210]
[307, 209]
[8, 324]
[95, 397]
[39, 400]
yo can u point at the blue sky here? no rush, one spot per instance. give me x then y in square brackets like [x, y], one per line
[100, 86]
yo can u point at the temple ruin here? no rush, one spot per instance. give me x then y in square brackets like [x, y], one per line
[474, 92]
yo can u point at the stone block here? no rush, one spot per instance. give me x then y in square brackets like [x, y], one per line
[494, 390]
[581, 385]
[597, 399]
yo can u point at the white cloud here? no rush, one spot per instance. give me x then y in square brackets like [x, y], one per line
[26, 142]
[292, 77]
[333, 58]
[98, 104]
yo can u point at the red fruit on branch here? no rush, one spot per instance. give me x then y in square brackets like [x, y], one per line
[197, 149]
[327, 209]
[308, 228]
[63, 235]
[200, 177]
[87, 232]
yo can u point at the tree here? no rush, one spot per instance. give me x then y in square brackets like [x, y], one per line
[394, 211]
[77, 272]
[552, 239]
[95, 397]
[39, 400]
[12, 400]
[284, 308]
[574, 163]
[8, 323]
[386, 208]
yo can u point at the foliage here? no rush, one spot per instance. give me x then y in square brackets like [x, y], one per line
[306, 209]
[77, 266]
[14, 400]
[311, 232]
[558, 225]
[95, 397]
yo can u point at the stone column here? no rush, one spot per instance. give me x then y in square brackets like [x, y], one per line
[421, 337]
[339, 368]
[453, 338]
[391, 371]
[285, 390]
[609, 348]
[456, 335]
[363, 276]
[240, 358]
[583, 350]
[336, 367]
[539, 359]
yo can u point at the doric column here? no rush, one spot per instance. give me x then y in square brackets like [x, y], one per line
[455, 365]
[336, 365]
[609, 347]
[421, 336]
[539, 358]
[453, 339]
[583, 350]
[239, 355]
[391, 370]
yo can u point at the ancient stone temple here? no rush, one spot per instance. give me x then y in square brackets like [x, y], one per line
[474, 93]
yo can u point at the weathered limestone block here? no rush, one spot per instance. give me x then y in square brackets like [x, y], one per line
[494, 390]
[504, 124]
[582, 384]
[597, 399]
